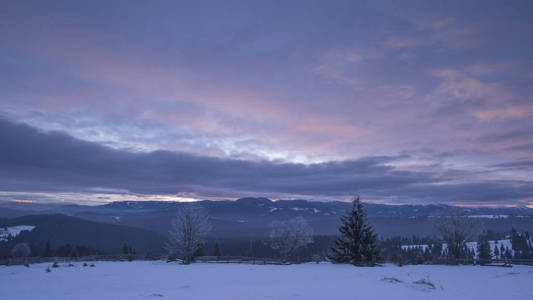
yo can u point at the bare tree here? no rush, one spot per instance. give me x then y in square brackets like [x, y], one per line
[187, 231]
[287, 236]
[21, 251]
[455, 231]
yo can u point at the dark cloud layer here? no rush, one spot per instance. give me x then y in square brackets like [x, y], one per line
[33, 160]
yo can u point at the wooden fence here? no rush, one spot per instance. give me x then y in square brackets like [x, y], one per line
[469, 261]
[203, 259]
[240, 260]
[38, 259]
[230, 260]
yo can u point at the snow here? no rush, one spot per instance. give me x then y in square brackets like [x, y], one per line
[13, 231]
[423, 246]
[470, 245]
[489, 216]
[314, 210]
[273, 209]
[152, 280]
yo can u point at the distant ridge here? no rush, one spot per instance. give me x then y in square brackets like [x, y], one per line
[250, 217]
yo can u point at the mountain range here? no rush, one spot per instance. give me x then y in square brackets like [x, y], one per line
[248, 218]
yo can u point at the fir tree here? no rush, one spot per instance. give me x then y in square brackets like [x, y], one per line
[47, 249]
[217, 251]
[508, 253]
[368, 245]
[250, 251]
[483, 249]
[496, 252]
[357, 243]
[436, 251]
[74, 252]
[125, 249]
[200, 250]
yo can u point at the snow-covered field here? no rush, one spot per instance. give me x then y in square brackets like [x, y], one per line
[154, 280]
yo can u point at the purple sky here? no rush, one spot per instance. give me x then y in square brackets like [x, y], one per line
[399, 101]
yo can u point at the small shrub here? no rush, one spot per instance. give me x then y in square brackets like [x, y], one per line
[425, 282]
[27, 265]
[48, 270]
[91, 265]
[157, 295]
[70, 265]
[392, 279]
[55, 265]
[85, 264]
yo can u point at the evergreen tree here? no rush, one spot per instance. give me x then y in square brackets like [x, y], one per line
[368, 245]
[436, 251]
[125, 249]
[250, 251]
[357, 243]
[508, 253]
[483, 249]
[516, 243]
[427, 254]
[74, 252]
[200, 250]
[496, 252]
[217, 251]
[47, 249]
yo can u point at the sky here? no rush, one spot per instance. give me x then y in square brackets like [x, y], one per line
[400, 102]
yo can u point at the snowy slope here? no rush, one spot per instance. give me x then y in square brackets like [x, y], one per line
[159, 280]
[13, 231]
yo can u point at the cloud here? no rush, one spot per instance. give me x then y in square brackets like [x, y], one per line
[35, 161]
[521, 147]
[523, 133]
[523, 164]
[330, 83]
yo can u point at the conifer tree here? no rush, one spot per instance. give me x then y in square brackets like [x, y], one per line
[199, 250]
[216, 251]
[250, 251]
[508, 253]
[436, 251]
[483, 249]
[74, 252]
[47, 249]
[357, 243]
[496, 252]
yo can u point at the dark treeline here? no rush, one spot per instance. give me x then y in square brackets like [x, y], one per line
[400, 250]
[258, 248]
[46, 249]
[418, 250]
